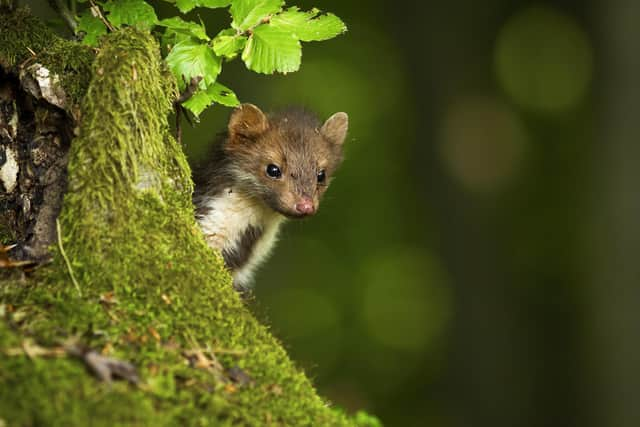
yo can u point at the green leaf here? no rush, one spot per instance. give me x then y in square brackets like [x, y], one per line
[179, 25]
[308, 26]
[198, 102]
[186, 5]
[249, 13]
[215, 93]
[272, 49]
[92, 28]
[136, 13]
[223, 95]
[171, 38]
[228, 43]
[191, 58]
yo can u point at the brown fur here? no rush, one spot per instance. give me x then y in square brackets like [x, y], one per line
[294, 140]
[239, 206]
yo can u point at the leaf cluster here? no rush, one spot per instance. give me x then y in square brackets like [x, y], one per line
[264, 34]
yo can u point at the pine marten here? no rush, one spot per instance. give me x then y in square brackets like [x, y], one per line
[266, 168]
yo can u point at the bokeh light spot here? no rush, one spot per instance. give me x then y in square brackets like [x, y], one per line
[482, 144]
[405, 304]
[543, 60]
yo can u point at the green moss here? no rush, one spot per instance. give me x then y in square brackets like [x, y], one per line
[130, 236]
[25, 40]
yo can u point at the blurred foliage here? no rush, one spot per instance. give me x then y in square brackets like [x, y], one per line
[419, 292]
[543, 59]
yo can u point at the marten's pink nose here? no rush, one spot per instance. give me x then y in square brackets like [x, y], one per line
[305, 206]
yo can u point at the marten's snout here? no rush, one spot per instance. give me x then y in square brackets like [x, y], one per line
[305, 206]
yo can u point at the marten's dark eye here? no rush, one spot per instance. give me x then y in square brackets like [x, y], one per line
[273, 171]
[322, 176]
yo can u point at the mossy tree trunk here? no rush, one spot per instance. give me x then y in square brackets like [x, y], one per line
[130, 277]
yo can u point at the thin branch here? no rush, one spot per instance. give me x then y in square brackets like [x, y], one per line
[61, 7]
[66, 259]
[191, 88]
[95, 11]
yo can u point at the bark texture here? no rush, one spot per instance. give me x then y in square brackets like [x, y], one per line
[34, 141]
[37, 120]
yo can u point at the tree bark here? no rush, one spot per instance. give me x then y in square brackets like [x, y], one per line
[614, 231]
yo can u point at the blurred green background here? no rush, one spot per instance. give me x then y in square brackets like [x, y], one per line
[473, 263]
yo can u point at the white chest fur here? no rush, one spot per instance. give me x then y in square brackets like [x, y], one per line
[229, 215]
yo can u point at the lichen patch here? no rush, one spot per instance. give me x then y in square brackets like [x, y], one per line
[50, 86]
[9, 170]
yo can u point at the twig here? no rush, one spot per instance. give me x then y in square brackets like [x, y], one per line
[61, 7]
[95, 11]
[66, 260]
[191, 88]
[230, 352]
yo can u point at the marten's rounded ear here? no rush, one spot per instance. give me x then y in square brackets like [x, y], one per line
[247, 121]
[335, 128]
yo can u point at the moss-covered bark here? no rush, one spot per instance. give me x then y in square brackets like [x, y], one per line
[149, 289]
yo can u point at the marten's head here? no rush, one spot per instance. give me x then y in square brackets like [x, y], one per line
[286, 159]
